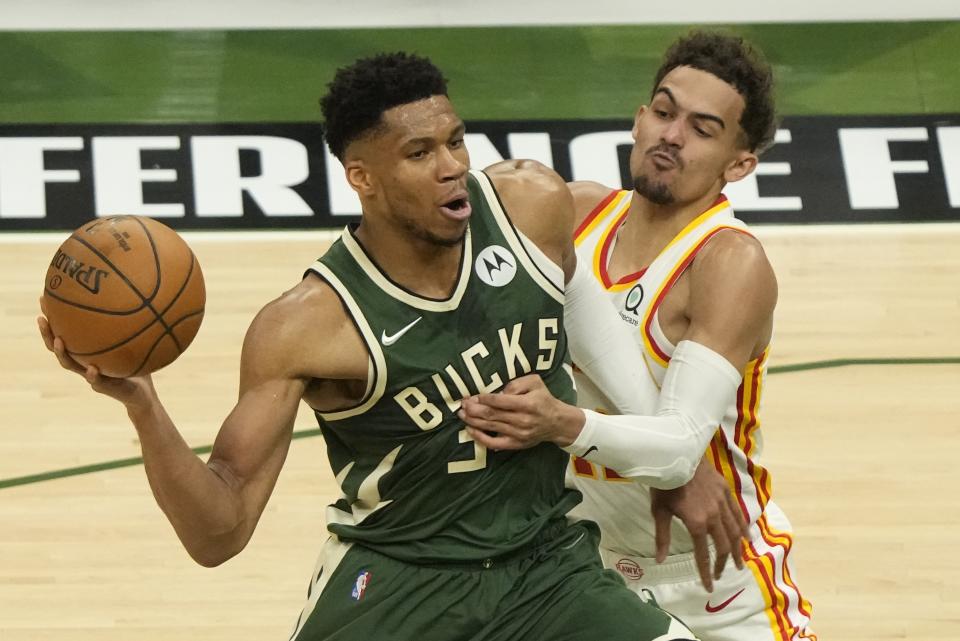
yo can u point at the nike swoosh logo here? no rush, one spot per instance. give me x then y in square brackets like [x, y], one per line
[393, 338]
[578, 539]
[592, 448]
[716, 608]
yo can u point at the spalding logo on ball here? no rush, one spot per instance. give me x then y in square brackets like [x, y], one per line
[125, 294]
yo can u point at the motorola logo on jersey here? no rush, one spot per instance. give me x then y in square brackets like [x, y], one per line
[634, 298]
[495, 266]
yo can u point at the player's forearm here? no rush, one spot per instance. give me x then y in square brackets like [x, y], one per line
[663, 450]
[205, 511]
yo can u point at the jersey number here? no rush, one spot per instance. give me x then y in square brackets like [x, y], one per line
[479, 460]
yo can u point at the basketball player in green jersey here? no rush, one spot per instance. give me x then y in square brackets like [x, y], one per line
[453, 284]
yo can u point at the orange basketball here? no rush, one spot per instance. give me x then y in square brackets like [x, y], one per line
[125, 294]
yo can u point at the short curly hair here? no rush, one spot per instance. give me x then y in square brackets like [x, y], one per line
[359, 94]
[739, 64]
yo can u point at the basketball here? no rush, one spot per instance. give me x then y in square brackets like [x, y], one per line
[124, 293]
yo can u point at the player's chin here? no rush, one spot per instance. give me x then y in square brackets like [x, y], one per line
[453, 239]
[450, 233]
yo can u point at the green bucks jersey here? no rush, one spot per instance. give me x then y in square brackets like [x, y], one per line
[414, 485]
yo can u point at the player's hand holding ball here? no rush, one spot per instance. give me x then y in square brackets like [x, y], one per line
[123, 297]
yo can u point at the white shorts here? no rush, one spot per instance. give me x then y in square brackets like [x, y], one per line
[759, 603]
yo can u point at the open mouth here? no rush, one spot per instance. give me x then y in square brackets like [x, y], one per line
[458, 208]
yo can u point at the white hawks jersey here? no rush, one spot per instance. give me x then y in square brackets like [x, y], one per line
[622, 507]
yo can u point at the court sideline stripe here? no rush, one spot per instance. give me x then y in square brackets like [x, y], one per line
[206, 449]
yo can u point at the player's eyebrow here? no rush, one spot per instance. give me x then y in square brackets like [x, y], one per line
[459, 130]
[700, 115]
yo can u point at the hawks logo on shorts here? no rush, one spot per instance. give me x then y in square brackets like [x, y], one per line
[630, 569]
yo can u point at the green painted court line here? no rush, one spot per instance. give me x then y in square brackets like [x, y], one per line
[845, 362]
[206, 449]
[111, 465]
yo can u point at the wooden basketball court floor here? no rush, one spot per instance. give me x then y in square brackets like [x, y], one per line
[861, 418]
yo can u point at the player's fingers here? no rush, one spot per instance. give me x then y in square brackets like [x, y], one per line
[701, 553]
[523, 384]
[721, 544]
[732, 522]
[494, 443]
[505, 402]
[488, 425]
[661, 520]
[45, 332]
[743, 527]
[66, 361]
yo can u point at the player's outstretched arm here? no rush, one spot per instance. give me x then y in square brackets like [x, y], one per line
[214, 506]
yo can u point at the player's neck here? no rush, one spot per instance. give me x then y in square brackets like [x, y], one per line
[423, 267]
[649, 226]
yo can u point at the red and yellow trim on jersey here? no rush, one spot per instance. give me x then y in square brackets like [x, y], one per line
[779, 591]
[613, 200]
[748, 425]
[586, 469]
[745, 429]
[611, 212]
[659, 356]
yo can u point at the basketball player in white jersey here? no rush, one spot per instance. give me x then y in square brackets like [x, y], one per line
[699, 294]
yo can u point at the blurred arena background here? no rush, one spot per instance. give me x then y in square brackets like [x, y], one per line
[204, 114]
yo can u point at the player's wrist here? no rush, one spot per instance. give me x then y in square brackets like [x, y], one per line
[569, 424]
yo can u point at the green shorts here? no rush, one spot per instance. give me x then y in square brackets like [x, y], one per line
[556, 591]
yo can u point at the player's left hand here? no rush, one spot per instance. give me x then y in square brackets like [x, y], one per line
[522, 415]
[707, 508]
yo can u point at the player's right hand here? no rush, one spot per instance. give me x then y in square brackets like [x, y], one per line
[131, 392]
[708, 510]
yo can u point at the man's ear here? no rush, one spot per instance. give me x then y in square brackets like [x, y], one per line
[636, 121]
[359, 177]
[741, 166]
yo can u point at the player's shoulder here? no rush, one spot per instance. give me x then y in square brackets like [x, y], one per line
[538, 202]
[301, 325]
[734, 244]
[734, 258]
[527, 179]
[587, 195]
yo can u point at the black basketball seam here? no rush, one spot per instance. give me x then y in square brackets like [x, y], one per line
[160, 338]
[156, 259]
[183, 287]
[143, 329]
[147, 301]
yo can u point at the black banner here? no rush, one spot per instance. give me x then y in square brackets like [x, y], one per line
[263, 175]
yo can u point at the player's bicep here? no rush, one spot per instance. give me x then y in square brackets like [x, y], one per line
[733, 292]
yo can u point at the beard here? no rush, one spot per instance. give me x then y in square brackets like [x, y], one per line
[657, 193]
[421, 233]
